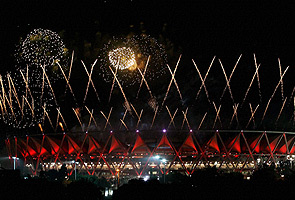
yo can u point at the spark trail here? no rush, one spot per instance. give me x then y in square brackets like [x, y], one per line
[91, 115]
[78, 119]
[155, 114]
[62, 118]
[235, 114]
[142, 75]
[186, 110]
[202, 121]
[246, 94]
[229, 79]
[125, 98]
[282, 83]
[50, 86]
[174, 80]
[203, 80]
[67, 81]
[185, 117]
[171, 117]
[217, 115]
[171, 81]
[252, 115]
[125, 113]
[273, 94]
[89, 80]
[113, 84]
[148, 88]
[257, 75]
[279, 115]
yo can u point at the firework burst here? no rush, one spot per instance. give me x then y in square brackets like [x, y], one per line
[127, 55]
[28, 92]
[42, 48]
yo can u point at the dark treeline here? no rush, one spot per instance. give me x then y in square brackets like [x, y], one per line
[49, 185]
[265, 183]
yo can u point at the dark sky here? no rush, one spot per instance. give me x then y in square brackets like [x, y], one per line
[200, 27]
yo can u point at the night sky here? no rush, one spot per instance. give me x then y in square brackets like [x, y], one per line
[201, 28]
[198, 30]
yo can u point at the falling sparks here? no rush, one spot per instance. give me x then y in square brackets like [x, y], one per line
[257, 75]
[279, 115]
[217, 115]
[202, 121]
[227, 81]
[172, 78]
[203, 79]
[273, 94]
[230, 76]
[143, 74]
[282, 83]
[235, 114]
[77, 115]
[28, 98]
[171, 117]
[252, 115]
[246, 94]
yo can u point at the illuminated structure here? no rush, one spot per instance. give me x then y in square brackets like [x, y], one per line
[135, 153]
[105, 144]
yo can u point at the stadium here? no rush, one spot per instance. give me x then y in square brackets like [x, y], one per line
[146, 154]
[157, 126]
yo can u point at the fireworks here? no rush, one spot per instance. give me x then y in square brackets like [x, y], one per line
[42, 48]
[127, 55]
[30, 97]
[28, 93]
[123, 58]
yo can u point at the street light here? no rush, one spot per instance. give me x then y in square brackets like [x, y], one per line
[14, 162]
[118, 172]
[75, 169]
[164, 161]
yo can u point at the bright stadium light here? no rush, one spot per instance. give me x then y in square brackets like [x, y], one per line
[14, 162]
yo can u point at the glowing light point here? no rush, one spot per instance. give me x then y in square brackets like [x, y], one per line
[123, 58]
[164, 130]
[190, 130]
[111, 132]
[137, 131]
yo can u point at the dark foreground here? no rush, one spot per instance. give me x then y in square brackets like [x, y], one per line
[265, 183]
[13, 187]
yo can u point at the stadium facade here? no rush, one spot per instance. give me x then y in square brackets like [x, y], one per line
[151, 153]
